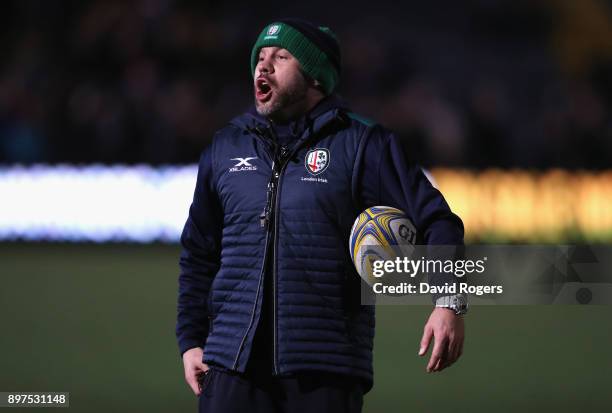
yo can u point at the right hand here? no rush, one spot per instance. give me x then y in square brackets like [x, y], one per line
[194, 368]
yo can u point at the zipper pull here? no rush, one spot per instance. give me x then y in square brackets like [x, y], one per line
[264, 217]
[284, 151]
[265, 214]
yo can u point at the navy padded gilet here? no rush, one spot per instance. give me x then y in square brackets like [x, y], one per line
[318, 321]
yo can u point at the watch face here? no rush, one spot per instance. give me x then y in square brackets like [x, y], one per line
[460, 304]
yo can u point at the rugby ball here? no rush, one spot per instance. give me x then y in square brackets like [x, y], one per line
[380, 233]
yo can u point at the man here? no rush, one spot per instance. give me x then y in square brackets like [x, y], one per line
[268, 297]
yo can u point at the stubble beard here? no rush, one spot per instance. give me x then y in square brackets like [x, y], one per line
[282, 105]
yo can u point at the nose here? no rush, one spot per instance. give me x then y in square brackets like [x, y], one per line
[264, 66]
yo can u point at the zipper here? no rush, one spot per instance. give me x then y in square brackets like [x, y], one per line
[269, 197]
[265, 217]
[274, 259]
[270, 214]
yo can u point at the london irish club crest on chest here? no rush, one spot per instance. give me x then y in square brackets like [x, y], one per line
[317, 160]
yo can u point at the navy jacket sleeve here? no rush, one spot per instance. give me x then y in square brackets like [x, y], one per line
[387, 177]
[200, 259]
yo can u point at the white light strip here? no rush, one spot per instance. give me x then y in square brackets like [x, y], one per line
[95, 203]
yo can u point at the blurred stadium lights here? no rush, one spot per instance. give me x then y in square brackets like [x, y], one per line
[527, 206]
[145, 203]
[95, 203]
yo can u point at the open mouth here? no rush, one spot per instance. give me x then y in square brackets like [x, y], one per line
[263, 90]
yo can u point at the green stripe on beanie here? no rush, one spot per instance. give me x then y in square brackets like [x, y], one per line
[313, 61]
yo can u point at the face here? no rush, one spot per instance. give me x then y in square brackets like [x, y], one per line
[281, 90]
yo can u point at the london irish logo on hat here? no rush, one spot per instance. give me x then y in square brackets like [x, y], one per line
[272, 32]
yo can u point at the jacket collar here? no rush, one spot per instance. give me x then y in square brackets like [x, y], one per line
[329, 110]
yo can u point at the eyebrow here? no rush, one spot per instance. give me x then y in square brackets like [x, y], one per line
[277, 50]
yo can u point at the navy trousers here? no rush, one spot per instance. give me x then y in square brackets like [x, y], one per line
[225, 391]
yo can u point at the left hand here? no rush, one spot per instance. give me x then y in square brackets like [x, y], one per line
[447, 329]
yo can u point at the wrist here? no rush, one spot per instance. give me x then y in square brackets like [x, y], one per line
[457, 303]
[191, 351]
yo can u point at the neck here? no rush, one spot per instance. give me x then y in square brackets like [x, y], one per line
[297, 109]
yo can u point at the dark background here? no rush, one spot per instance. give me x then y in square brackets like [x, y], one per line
[475, 83]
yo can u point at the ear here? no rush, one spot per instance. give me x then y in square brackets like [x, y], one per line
[318, 86]
[313, 82]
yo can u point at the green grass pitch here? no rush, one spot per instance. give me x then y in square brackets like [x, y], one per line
[98, 321]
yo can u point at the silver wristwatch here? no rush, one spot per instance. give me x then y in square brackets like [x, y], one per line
[457, 302]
